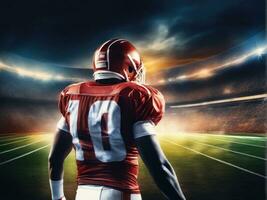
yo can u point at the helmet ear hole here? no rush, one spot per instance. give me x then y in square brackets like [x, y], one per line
[130, 69]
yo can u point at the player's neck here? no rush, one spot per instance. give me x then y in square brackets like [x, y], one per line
[109, 81]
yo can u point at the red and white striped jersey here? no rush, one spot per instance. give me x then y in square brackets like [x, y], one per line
[104, 121]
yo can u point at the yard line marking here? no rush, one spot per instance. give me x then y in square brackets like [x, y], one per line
[257, 138]
[8, 135]
[218, 160]
[12, 135]
[23, 155]
[20, 147]
[18, 136]
[17, 141]
[225, 140]
[14, 138]
[243, 143]
[237, 152]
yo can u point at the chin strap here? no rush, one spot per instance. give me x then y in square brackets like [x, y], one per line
[57, 190]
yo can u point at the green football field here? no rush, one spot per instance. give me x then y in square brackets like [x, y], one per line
[217, 167]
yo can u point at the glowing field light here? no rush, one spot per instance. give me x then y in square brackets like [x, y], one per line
[260, 51]
[204, 73]
[210, 71]
[227, 90]
[59, 77]
[182, 77]
[162, 81]
[38, 75]
[230, 100]
[243, 58]
[1, 65]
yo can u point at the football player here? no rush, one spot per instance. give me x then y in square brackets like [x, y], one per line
[109, 122]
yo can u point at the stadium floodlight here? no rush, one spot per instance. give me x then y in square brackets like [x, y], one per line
[220, 101]
[37, 75]
[210, 71]
[182, 77]
[259, 51]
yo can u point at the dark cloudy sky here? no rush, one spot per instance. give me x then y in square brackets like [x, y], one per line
[193, 50]
[168, 33]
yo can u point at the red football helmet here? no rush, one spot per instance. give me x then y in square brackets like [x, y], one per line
[118, 58]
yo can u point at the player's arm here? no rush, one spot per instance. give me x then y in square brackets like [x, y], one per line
[61, 147]
[149, 108]
[159, 167]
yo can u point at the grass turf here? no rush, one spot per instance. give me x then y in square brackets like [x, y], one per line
[201, 177]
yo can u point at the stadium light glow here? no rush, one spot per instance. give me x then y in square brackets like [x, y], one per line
[260, 51]
[38, 75]
[210, 71]
[230, 100]
[227, 90]
[204, 73]
[182, 77]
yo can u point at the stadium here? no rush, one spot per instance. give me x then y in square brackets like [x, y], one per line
[213, 131]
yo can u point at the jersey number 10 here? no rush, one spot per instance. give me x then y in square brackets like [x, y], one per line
[117, 151]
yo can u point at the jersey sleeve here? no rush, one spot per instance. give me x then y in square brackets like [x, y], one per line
[62, 105]
[149, 109]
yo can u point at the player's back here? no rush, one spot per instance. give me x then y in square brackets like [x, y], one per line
[101, 120]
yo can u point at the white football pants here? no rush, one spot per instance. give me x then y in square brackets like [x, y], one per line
[94, 192]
